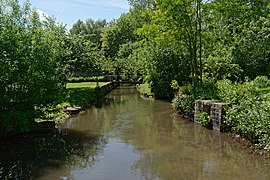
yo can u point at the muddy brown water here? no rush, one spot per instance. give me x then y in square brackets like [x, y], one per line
[129, 138]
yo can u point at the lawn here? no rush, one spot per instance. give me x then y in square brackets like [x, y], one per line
[264, 91]
[84, 85]
[81, 95]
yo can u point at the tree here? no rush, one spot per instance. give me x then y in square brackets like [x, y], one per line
[142, 4]
[237, 38]
[119, 32]
[90, 30]
[178, 24]
[85, 57]
[30, 63]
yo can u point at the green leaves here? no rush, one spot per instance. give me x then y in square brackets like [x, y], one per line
[250, 118]
[90, 30]
[239, 28]
[249, 110]
[30, 62]
[205, 119]
[84, 57]
[120, 32]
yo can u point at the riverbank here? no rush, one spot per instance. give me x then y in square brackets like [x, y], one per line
[61, 104]
[77, 97]
[242, 109]
[247, 113]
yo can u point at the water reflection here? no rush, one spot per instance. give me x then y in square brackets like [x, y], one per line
[27, 157]
[135, 138]
[161, 144]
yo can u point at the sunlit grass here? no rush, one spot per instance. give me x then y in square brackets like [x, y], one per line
[78, 95]
[145, 89]
[84, 85]
[264, 90]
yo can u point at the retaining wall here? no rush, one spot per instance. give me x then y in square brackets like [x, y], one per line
[216, 111]
[106, 88]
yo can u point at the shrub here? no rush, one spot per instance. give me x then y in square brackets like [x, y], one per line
[251, 119]
[233, 93]
[87, 79]
[249, 112]
[205, 119]
[187, 95]
[184, 103]
[145, 89]
[261, 82]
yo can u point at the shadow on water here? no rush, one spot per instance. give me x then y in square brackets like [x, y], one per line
[25, 157]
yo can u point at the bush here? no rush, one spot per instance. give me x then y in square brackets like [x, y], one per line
[168, 66]
[87, 79]
[145, 89]
[205, 120]
[184, 103]
[233, 93]
[261, 82]
[249, 112]
[187, 95]
[251, 119]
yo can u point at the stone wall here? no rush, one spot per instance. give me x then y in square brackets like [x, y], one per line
[101, 91]
[216, 111]
[106, 88]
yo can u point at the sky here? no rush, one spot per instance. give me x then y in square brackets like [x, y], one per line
[69, 11]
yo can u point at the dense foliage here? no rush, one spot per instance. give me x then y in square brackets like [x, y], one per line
[203, 49]
[84, 43]
[36, 57]
[31, 65]
[189, 41]
[248, 112]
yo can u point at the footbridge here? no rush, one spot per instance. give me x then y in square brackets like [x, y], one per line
[124, 79]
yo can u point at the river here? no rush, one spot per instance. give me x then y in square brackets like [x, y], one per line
[128, 138]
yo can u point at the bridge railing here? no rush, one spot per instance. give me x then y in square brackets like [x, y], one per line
[117, 78]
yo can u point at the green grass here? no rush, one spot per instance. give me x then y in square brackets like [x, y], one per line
[84, 85]
[145, 89]
[80, 95]
[87, 79]
[263, 90]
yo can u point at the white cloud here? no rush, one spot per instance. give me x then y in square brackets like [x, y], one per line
[118, 3]
[69, 11]
[123, 4]
[42, 15]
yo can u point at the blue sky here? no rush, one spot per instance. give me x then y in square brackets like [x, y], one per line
[69, 11]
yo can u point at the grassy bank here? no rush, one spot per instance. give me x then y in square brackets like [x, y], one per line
[77, 95]
[87, 79]
[85, 85]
